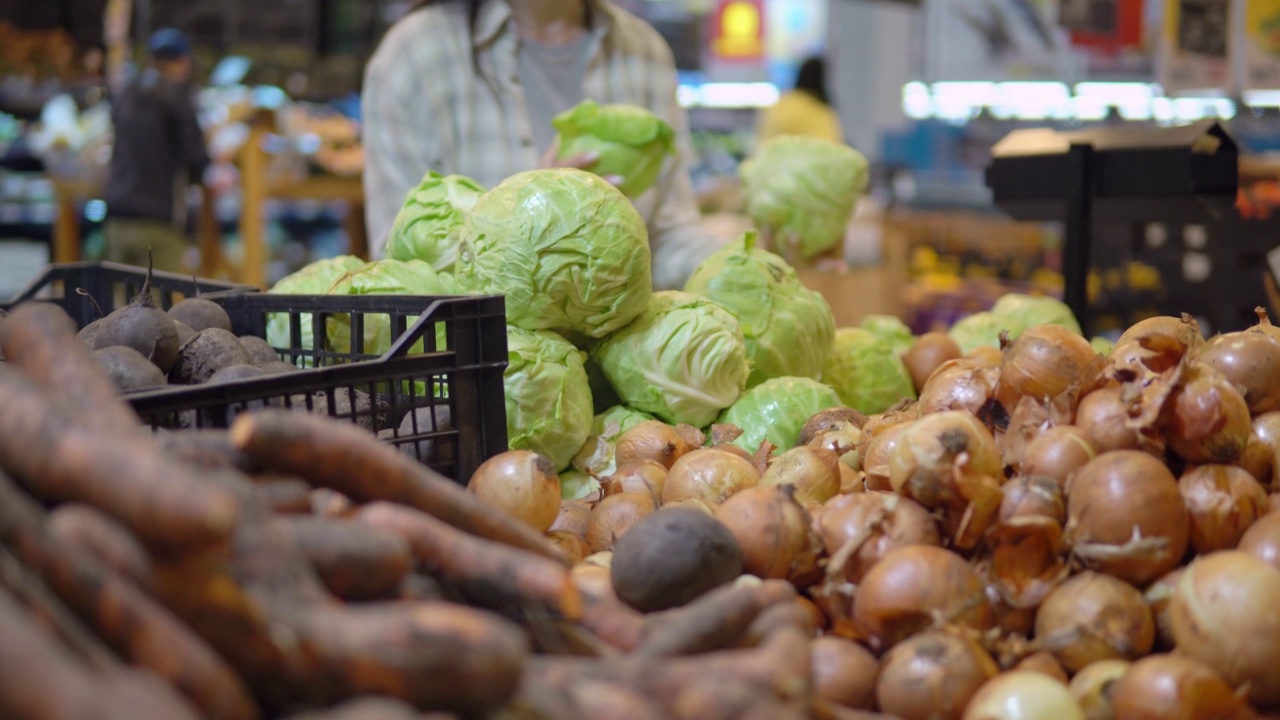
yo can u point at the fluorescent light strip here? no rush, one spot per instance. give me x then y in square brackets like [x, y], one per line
[961, 101]
[728, 95]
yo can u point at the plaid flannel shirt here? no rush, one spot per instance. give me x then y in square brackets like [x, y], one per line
[425, 108]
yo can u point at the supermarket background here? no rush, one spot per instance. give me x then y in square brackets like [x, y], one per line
[925, 89]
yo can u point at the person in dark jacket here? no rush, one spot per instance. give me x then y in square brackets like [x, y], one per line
[159, 151]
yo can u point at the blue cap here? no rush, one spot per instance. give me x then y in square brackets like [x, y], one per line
[169, 43]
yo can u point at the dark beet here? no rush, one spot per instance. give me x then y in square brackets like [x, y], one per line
[278, 367]
[672, 556]
[261, 352]
[200, 314]
[232, 373]
[128, 369]
[142, 326]
[89, 333]
[185, 333]
[208, 352]
[422, 422]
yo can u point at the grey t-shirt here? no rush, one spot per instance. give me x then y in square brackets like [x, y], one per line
[552, 77]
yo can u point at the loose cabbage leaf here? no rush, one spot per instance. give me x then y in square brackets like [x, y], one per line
[788, 328]
[866, 372]
[804, 187]
[547, 397]
[631, 141]
[569, 252]
[683, 360]
[777, 410]
[426, 228]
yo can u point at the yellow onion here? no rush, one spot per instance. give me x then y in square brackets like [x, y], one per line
[1261, 453]
[1043, 362]
[844, 672]
[1157, 595]
[1091, 687]
[613, 516]
[709, 475]
[651, 440]
[860, 529]
[814, 472]
[1093, 617]
[1027, 560]
[932, 676]
[1057, 453]
[1223, 613]
[913, 587]
[1209, 421]
[1262, 540]
[959, 385]
[1223, 501]
[521, 482]
[1103, 416]
[926, 354]
[775, 533]
[642, 476]
[1044, 663]
[1250, 360]
[1125, 516]
[1184, 332]
[1173, 687]
[1023, 695]
[1033, 495]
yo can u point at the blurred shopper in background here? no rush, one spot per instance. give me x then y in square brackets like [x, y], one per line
[471, 86]
[803, 110]
[159, 151]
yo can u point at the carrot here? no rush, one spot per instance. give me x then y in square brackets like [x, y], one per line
[714, 621]
[418, 586]
[40, 340]
[162, 501]
[436, 656]
[343, 457]
[487, 573]
[208, 449]
[52, 613]
[285, 496]
[613, 622]
[106, 540]
[363, 708]
[354, 561]
[128, 620]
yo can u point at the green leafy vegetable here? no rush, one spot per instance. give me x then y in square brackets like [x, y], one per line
[426, 228]
[788, 328]
[314, 279]
[1102, 345]
[631, 141]
[777, 410]
[568, 251]
[804, 187]
[892, 330]
[548, 399]
[576, 485]
[981, 329]
[616, 420]
[384, 277]
[1020, 312]
[866, 372]
[683, 360]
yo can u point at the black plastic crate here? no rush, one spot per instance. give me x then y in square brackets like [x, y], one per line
[436, 393]
[111, 285]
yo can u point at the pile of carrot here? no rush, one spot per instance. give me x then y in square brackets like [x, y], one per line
[294, 566]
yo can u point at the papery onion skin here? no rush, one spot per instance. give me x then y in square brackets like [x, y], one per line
[932, 676]
[572, 546]
[573, 517]
[1223, 613]
[1091, 687]
[875, 460]
[831, 419]
[614, 516]
[844, 672]
[959, 385]
[775, 533]
[1209, 422]
[1262, 451]
[927, 450]
[1262, 540]
[904, 592]
[1103, 415]
[1044, 361]
[1044, 663]
[879, 522]
[1057, 453]
[986, 356]
[647, 476]
[1250, 360]
[593, 581]
[814, 472]
[1157, 595]
[1223, 501]
[1093, 617]
[1172, 687]
[651, 440]
[1117, 496]
[709, 475]
[1133, 357]
[926, 354]
[1026, 559]
[521, 482]
[1023, 695]
[1033, 495]
[1185, 331]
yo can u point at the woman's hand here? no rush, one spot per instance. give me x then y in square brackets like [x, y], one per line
[582, 161]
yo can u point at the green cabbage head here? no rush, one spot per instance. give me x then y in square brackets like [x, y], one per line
[384, 277]
[426, 228]
[1019, 312]
[788, 327]
[804, 187]
[548, 400]
[314, 279]
[1102, 345]
[866, 373]
[683, 360]
[631, 141]
[981, 329]
[777, 410]
[567, 250]
[892, 330]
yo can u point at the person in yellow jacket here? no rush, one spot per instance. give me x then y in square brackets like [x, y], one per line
[803, 110]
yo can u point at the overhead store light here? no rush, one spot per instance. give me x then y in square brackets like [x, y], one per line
[958, 102]
[728, 95]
